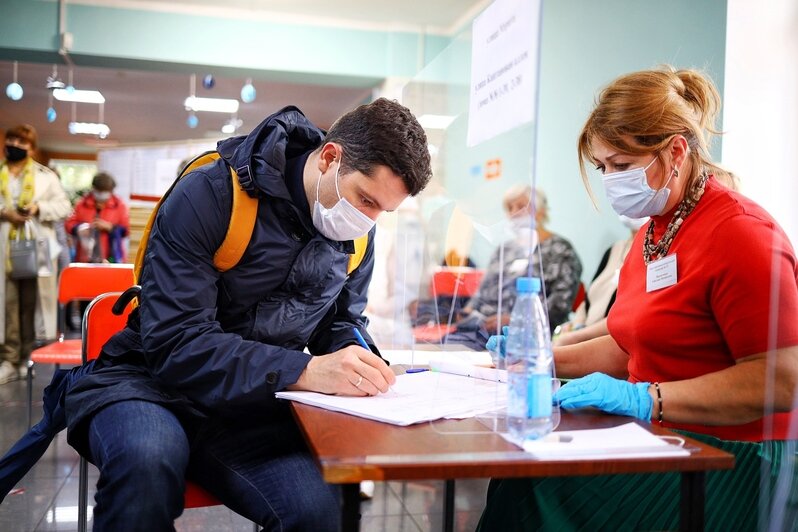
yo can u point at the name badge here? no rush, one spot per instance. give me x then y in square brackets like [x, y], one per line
[519, 265]
[661, 274]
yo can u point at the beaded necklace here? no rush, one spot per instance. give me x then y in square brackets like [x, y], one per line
[651, 251]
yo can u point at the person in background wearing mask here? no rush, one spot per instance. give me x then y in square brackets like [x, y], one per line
[590, 318]
[33, 202]
[703, 333]
[101, 221]
[187, 388]
[556, 261]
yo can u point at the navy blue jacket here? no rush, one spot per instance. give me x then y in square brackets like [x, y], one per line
[221, 344]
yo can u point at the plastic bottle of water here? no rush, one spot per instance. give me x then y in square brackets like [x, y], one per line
[530, 365]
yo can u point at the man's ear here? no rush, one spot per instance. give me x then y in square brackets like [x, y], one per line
[330, 153]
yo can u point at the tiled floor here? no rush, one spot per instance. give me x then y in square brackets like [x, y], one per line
[47, 498]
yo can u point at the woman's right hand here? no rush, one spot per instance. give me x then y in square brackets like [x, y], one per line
[15, 217]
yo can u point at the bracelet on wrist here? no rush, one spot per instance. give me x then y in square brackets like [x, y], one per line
[659, 402]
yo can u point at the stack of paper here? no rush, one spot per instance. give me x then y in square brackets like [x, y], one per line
[627, 441]
[416, 397]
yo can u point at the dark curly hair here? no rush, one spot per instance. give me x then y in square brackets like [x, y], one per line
[384, 132]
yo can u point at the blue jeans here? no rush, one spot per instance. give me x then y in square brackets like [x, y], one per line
[262, 470]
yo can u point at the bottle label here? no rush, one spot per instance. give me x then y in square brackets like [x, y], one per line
[530, 395]
[539, 396]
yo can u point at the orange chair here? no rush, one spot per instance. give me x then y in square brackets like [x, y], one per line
[451, 281]
[460, 281]
[105, 316]
[78, 282]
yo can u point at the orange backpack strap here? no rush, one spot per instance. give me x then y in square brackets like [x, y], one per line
[239, 231]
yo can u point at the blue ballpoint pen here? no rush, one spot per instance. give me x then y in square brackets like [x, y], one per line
[360, 339]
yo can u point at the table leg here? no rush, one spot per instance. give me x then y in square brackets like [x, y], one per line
[350, 510]
[448, 506]
[693, 500]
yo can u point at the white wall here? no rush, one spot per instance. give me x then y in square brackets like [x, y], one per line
[760, 117]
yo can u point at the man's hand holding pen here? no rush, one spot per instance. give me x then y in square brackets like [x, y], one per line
[352, 370]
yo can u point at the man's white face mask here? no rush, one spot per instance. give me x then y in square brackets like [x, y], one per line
[342, 221]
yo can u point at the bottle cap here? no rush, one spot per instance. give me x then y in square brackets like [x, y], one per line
[527, 285]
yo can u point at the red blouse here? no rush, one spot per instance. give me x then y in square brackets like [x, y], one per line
[736, 295]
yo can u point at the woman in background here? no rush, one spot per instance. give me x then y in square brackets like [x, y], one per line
[33, 202]
[100, 223]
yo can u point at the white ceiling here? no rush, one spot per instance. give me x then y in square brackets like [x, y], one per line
[148, 106]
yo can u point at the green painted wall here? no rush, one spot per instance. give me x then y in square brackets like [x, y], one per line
[585, 44]
[141, 39]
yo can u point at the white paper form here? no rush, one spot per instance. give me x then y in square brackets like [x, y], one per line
[504, 68]
[415, 397]
[628, 441]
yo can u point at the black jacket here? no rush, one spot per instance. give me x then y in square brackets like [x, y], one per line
[221, 344]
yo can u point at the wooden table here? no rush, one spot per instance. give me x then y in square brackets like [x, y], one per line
[350, 449]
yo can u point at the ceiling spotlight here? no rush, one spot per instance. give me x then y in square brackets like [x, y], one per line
[54, 83]
[51, 114]
[208, 81]
[214, 105]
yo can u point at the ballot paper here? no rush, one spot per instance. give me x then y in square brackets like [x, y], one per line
[628, 441]
[416, 397]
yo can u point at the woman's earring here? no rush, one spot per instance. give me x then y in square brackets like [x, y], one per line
[676, 173]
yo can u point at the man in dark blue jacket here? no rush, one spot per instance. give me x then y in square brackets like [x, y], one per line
[187, 389]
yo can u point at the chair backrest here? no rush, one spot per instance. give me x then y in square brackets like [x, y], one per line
[100, 323]
[580, 296]
[86, 281]
[463, 281]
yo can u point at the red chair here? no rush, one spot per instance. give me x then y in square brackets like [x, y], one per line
[104, 317]
[78, 282]
[460, 281]
[580, 296]
[451, 281]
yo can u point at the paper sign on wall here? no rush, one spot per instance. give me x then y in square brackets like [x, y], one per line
[504, 56]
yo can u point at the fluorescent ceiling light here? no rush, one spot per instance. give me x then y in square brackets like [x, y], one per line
[214, 105]
[435, 121]
[89, 128]
[80, 96]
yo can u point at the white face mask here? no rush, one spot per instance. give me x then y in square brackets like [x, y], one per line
[522, 229]
[630, 195]
[342, 221]
[101, 196]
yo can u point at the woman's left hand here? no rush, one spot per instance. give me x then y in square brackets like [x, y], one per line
[608, 394]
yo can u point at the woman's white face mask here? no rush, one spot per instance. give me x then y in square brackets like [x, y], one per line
[342, 221]
[630, 195]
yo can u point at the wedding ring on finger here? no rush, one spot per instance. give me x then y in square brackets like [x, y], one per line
[359, 381]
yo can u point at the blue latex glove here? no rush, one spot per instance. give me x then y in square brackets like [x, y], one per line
[608, 394]
[498, 342]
